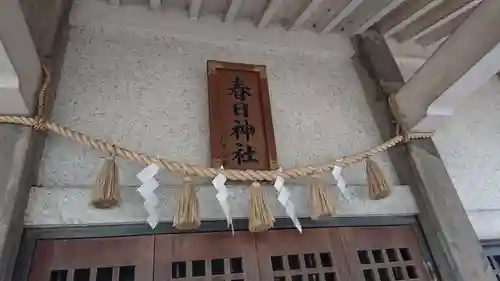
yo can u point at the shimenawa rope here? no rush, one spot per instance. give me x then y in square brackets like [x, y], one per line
[39, 123]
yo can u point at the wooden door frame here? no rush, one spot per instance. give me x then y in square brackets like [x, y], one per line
[33, 234]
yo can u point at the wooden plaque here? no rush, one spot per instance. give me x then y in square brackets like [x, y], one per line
[241, 127]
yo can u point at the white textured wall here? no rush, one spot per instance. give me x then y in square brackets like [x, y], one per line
[138, 78]
[57, 205]
[469, 145]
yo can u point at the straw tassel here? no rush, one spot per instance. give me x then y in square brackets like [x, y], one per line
[187, 214]
[377, 185]
[106, 191]
[261, 218]
[322, 205]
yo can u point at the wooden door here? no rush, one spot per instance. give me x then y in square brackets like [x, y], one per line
[315, 255]
[383, 253]
[320, 254]
[206, 256]
[95, 259]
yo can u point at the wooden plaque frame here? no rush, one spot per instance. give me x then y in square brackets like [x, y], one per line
[218, 135]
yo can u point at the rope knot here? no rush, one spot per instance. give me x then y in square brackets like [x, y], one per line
[406, 136]
[401, 129]
[40, 124]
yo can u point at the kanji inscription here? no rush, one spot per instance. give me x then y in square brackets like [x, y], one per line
[241, 131]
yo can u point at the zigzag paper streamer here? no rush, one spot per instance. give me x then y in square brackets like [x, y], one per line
[219, 182]
[147, 191]
[284, 199]
[339, 177]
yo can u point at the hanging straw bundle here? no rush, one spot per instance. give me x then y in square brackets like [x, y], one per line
[322, 205]
[261, 218]
[377, 185]
[106, 191]
[187, 214]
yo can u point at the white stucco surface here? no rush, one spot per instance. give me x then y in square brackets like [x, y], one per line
[468, 144]
[60, 205]
[138, 78]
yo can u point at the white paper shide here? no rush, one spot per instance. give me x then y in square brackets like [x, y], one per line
[219, 182]
[284, 199]
[337, 173]
[147, 191]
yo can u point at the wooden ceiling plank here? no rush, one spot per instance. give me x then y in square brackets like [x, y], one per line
[232, 12]
[442, 31]
[348, 9]
[378, 16]
[429, 19]
[194, 8]
[306, 14]
[464, 9]
[271, 9]
[413, 17]
[401, 13]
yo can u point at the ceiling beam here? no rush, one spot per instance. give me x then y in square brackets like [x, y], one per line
[415, 14]
[459, 66]
[448, 18]
[473, 79]
[271, 9]
[348, 9]
[306, 14]
[378, 16]
[234, 7]
[194, 8]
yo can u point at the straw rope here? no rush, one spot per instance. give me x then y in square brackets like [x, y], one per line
[42, 95]
[39, 123]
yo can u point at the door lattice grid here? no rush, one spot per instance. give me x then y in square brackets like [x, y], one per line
[94, 259]
[384, 254]
[315, 255]
[297, 267]
[226, 269]
[388, 264]
[206, 256]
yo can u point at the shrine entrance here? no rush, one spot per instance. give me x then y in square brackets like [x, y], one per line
[381, 253]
